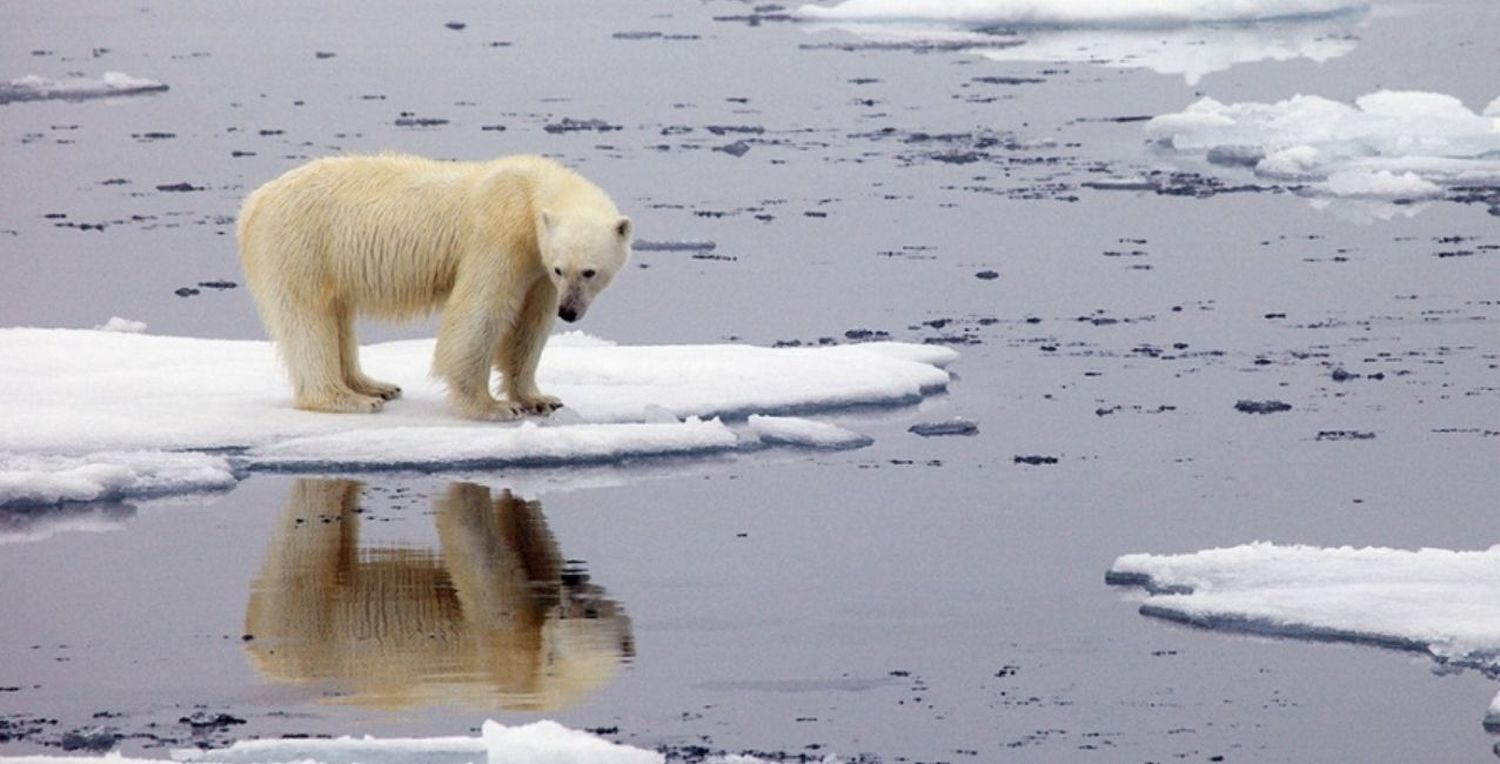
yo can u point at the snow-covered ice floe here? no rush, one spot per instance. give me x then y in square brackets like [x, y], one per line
[1077, 12]
[1191, 38]
[1440, 602]
[103, 415]
[543, 742]
[1386, 144]
[113, 84]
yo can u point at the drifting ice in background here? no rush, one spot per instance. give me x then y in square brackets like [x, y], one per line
[1385, 144]
[1191, 38]
[113, 84]
[1435, 601]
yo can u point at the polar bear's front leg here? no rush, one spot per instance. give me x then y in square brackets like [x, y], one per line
[473, 324]
[520, 350]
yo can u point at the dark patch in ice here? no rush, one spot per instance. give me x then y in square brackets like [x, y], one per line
[204, 721]
[1008, 80]
[218, 284]
[644, 245]
[987, 275]
[323, 54]
[949, 427]
[1262, 407]
[185, 292]
[182, 187]
[408, 119]
[866, 335]
[570, 125]
[96, 740]
[1345, 435]
[736, 149]
[456, 25]
[1035, 460]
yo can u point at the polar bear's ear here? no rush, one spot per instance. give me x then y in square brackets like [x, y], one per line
[623, 228]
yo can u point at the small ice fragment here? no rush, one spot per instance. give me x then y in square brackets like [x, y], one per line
[796, 431]
[123, 325]
[955, 426]
[1381, 183]
[1236, 156]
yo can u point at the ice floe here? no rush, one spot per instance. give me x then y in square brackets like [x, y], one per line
[1386, 144]
[79, 88]
[1189, 39]
[94, 415]
[1077, 12]
[1436, 601]
[542, 742]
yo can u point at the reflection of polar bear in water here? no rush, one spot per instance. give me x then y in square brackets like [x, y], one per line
[500, 246]
[497, 617]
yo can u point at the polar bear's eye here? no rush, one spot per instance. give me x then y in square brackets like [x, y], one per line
[588, 274]
[558, 271]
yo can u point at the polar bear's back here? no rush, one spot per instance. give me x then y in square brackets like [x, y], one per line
[382, 234]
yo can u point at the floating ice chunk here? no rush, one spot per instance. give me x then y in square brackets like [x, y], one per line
[796, 431]
[1407, 185]
[1386, 144]
[1492, 717]
[117, 324]
[1442, 602]
[36, 88]
[41, 479]
[1077, 12]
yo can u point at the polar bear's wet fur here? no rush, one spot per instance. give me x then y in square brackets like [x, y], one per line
[501, 247]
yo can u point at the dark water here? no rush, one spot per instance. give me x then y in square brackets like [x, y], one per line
[926, 599]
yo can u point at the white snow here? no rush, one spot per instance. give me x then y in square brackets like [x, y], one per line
[1442, 602]
[796, 431]
[1385, 144]
[1077, 12]
[542, 742]
[37, 88]
[37, 479]
[89, 414]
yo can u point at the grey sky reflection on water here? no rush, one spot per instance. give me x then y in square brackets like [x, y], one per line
[496, 617]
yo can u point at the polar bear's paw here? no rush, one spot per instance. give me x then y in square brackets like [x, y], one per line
[376, 389]
[341, 402]
[540, 404]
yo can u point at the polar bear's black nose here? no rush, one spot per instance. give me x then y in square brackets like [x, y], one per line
[567, 314]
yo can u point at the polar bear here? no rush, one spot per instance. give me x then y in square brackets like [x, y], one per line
[500, 246]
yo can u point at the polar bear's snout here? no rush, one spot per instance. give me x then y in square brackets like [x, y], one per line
[568, 313]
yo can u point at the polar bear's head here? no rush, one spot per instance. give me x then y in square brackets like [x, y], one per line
[582, 253]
